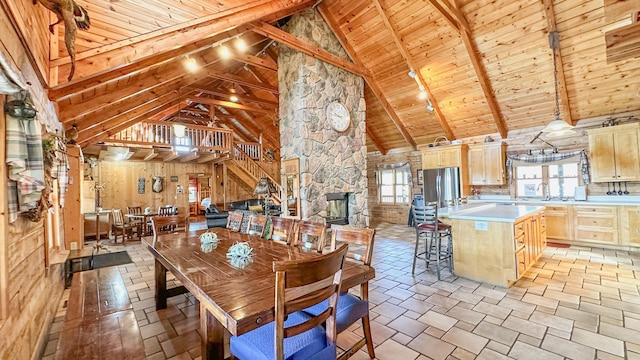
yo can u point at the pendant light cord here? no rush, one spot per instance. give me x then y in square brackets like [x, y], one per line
[553, 43]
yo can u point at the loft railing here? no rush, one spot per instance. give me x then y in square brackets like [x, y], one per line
[252, 149]
[161, 133]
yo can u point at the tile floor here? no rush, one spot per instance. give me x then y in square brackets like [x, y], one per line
[576, 303]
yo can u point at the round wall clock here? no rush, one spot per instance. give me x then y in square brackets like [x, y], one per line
[338, 116]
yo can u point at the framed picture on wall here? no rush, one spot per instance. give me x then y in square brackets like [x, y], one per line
[420, 179]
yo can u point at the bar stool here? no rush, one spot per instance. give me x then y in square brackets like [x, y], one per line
[433, 231]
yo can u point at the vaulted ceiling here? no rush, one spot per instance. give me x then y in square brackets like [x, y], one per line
[486, 65]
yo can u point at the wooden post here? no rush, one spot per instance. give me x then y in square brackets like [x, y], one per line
[73, 219]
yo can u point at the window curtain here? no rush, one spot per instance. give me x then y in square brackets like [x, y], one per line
[557, 158]
[381, 167]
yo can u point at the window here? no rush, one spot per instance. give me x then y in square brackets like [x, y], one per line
[561, 179]
[394, 185]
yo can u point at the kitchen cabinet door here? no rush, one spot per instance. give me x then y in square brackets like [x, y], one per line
[450, 157]
[630, 226]
[627, 157]
[486, 164]
[614, 153]
[559, 223]
[430, 159]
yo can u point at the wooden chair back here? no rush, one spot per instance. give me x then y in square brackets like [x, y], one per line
[309, 235]
[170, 224]
[118, 218]
[360, 242]
[134, 210]
[303, 283]
[257, 225]
[165, 211]
[234, 221]
[281, 229]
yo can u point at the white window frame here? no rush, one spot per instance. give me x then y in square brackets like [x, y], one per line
[394, 185]
[540, 191]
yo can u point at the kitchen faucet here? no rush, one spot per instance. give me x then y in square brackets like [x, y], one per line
[547, 195]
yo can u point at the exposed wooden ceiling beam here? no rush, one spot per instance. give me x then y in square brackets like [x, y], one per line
[263, 80]
[206, 158]
[229, 104]
[291, 41]
[450, 15]
[409, 60]
[328, 17]
[265, 63]
[241, 97]
[193, 155]
[150, 155]
[248, 121]
[171, 156]
[376, 141]
[170, 111]
[244, 82]
[481, 74]
[238, 131]
[562, 82]
[125, 51]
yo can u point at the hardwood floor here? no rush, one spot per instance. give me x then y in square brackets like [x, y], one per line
[576, 303]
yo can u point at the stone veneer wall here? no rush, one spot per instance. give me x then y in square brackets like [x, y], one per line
[329, 161]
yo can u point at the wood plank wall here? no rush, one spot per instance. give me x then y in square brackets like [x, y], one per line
[26, 277]
[121, 183]
[517, 141]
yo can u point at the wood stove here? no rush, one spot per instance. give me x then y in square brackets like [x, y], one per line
[338, 208]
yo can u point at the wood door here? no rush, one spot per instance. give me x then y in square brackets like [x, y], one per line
[430, 159]
[627, 157]
[630, 226]
[494, 164]
[450, 157]
[477, 165]
[602, 152]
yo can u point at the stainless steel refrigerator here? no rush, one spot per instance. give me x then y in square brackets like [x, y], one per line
[441, 185]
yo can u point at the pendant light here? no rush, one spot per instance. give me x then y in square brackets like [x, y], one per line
[557, 127]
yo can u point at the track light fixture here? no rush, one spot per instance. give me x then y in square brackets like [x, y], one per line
[412, 74]
[429, 106]
[191, 64]
[224, 52]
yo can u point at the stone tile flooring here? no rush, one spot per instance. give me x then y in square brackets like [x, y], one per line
[576, 303]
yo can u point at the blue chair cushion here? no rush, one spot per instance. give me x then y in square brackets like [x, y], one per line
[258, 344]
[350, 309]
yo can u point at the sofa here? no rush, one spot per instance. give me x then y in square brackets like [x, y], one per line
[248, 204]
[215, 217]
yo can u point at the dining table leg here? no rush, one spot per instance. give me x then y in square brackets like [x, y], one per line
[212, 335]
[161, 285]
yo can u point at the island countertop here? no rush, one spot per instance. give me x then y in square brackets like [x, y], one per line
[494, 212]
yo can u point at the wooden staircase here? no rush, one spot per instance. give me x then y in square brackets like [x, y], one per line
[249, 171]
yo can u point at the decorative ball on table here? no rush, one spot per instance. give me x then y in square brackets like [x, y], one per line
[208, 241]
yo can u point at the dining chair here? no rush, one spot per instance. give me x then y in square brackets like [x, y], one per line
[433, 231]
[170, 224]
[121, 227]
[165, 211]
[299, 283]
[351, 307]
[234, 221]
[257, 225]
[281, 229]
[309, 235]
[138, 222]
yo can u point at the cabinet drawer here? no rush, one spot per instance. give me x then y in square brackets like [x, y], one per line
[610, 237]
[597, 221]
[519, 229]
[520, 242]
[556, 208]
[543, 223]
[604, 210]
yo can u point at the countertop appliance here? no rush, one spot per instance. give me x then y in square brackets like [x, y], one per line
[441, 185]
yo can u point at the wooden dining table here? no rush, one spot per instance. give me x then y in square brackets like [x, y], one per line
[144, 219]
[233, 298]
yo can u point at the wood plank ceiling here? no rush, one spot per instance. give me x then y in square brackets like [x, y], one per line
[485, 65]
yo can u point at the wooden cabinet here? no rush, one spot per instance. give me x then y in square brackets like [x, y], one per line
[97, 222]
[614, 153]
[629, 222]
[530, 241]
[559, 223]
[449, 156]
[444, 156]
[596, 224]
[486, 164]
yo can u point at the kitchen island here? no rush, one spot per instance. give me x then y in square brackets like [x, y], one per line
[496, 244]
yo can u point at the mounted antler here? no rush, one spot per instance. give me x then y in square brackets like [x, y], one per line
[74, 17]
